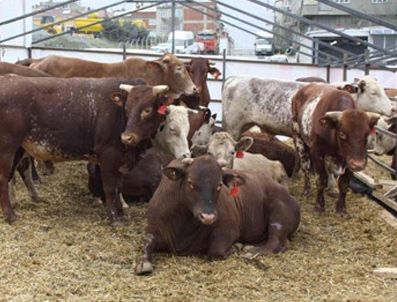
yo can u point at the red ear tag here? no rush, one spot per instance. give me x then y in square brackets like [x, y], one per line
[240, 154]
[235, 190]
[372, 131]
[162, 110]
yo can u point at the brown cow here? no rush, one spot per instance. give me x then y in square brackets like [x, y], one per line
[272, 148]
[167, 70]
[328, 126]
[69, 119]
[198, 69]
[6, 68]
[193, 212]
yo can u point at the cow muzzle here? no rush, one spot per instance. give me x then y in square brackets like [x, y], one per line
[356, 165]
[207, 218]
[130, 139]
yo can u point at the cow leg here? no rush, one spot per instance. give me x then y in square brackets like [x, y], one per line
[322, 180]
[35, 176]
[124, 204]
[11, 192]
[144, 262]
[221, 243]
[25, 171]
[6, 174]
[304, 159]
[343, 183]
[111, 180]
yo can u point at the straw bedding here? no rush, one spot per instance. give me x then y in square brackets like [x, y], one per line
[63, 249]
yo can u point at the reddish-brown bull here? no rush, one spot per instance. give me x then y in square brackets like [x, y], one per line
[69, 119]
[198, 69]
[168, 70]
[193, 212]
[328, 126]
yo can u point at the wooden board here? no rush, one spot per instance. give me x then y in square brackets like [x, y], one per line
[390, 203]
[389, 218]
[388, 272]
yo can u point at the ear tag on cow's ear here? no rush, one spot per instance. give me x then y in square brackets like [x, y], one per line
[372, 131]
[240, 154]
[217, 75]
[234, 191]
[162, 110]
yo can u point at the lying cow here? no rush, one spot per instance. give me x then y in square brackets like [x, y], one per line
[272, 148]
[231, 153]
[267, 103]
[328, 126]
[167, 70]
[199, 208]
[75, 119]
[198, 69]
[7, 68]
[311, 80]
[141, 181]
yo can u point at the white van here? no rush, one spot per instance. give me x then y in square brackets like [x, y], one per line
[183, 39]
[263, 44]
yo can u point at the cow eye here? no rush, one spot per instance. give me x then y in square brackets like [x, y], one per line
[146, 112]
[342, 135]
[232, 152]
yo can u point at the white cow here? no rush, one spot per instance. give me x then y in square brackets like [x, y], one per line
[267, 103]
[382, 143]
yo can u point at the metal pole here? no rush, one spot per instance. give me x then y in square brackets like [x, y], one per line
[344, 68]
[367, 64]
[224, 65]
[173, 25]
[253, 25]
[359, 14]
[124, 51]
[61, 21]
[336, 48]
[328, 70]
[99, 22]
[35, 12]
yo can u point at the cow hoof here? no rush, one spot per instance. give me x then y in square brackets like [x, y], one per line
[332, 192]
[11, 218]
[238, 246]
[97, 202]
[343, 213]
[247, 248]
[144, 268]
[250, 255]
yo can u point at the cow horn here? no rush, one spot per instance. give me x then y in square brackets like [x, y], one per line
[211, 63]
[191, 110]
[160, 89]
[126, 87]
[334, 115]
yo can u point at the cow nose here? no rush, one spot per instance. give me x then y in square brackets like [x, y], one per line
[129, 139]
[187, 155]
[206, 218]
[393, 109]
[195, 89]
[356, 165]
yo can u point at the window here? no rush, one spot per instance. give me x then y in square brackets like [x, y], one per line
[378, 1]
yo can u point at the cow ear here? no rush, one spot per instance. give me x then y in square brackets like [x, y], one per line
[373, 118]
[214, 72]
[350, 88]
[166, 58]
[174, 173]
[244, 143]
[362, 85]
[198, 150]
[214, 116]
[119, 98]
[230, 178]
[330, 120]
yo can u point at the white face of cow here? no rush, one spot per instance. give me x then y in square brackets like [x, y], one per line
[203, 134]
[223, 147]
[372, 97]
[383, 143]
[173, 136]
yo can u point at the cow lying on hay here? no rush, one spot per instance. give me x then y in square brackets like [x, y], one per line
[201, 209]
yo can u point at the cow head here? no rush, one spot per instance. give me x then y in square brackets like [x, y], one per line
[175, 75]
[201, 181]
[370, 96]
[172, 136]
[203, 134]
[224, 148]
[144, 110]
[351, 131]
[383, 143]
[198, 69]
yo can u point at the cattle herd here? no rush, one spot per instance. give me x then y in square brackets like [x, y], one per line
[146, 132]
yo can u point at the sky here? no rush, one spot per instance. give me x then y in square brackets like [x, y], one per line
[242, 39]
